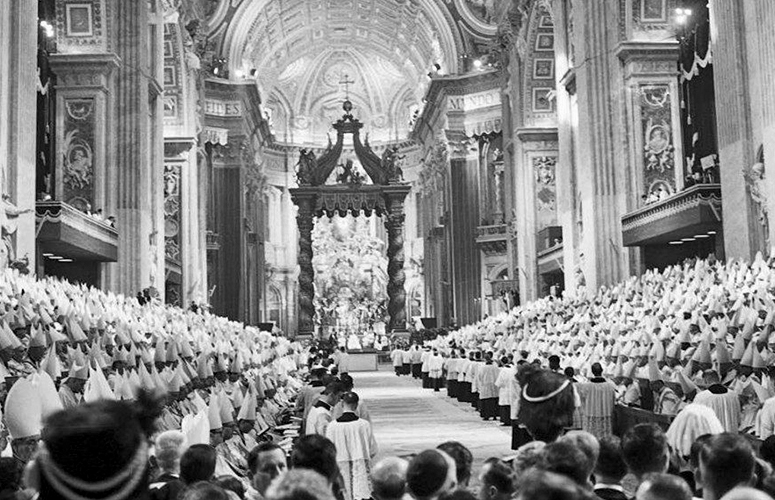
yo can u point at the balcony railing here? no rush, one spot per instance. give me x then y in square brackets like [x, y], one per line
[695, 211]
[492, 238]
[67, 232]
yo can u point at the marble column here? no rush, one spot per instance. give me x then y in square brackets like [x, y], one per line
[305, 222]
[138, 246]
[464, 217]
[18, 119]
[743, 47]
[600, 163]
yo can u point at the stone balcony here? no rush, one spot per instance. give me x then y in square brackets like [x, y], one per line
[491, 239]
[68, 233]
[689, 214]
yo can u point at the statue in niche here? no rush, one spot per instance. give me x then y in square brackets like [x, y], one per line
[391, 163]
[8, 215]
[757, 190]
[306, 167]
[658, 150]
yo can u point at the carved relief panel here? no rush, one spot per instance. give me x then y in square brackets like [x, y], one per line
[77, 159]
[545, 190]
[656, 136]
[172, 222]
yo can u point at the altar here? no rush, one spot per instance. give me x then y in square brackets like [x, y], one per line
[363, 361]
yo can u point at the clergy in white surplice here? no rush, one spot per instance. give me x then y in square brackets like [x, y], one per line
[355, 449]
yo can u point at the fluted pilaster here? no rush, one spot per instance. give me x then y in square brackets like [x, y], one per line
[18, 46]
[133, 158]
[598, 165]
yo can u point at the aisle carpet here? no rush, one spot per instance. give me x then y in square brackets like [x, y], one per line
[408, 419]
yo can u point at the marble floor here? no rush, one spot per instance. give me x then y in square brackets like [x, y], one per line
[408, 419]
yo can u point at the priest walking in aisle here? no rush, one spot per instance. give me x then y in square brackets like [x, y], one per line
[397, 357]
[355, 449]
[486, 376]
[320, 414]
[435, 370]
[598, 397]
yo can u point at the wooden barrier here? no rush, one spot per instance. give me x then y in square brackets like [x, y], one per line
[626, 417]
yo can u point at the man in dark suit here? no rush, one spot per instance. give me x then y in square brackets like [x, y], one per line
[609, 470]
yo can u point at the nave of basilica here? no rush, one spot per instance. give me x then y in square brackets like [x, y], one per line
[548, 145]
[235, 203]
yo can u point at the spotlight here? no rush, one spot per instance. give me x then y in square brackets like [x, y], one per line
[239, 73]
[682, 15]
[66, 260]
[48, 28]
[676, 242]
[477, 63]
[216, 70]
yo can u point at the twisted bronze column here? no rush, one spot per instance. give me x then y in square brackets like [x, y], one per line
[394, 223]
[305, 221]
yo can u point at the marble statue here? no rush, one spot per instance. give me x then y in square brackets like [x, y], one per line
[305, 168]
[391, 163]
[754, 177]
[8, 215]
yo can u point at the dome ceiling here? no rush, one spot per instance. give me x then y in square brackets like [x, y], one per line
[308, 54]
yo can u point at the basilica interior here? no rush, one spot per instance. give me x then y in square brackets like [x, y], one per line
[426, 162]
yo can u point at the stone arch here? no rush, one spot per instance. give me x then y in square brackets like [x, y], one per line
[497, 272]
[275, 304]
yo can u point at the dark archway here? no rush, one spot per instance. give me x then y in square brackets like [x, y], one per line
[385, 197]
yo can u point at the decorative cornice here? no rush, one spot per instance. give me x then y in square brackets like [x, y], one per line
[536, 134]
[627, 51]
[177, 147]
[81, 71]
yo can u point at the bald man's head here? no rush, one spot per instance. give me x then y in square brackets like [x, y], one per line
[746, 493]
[388, 478]
[431, 474]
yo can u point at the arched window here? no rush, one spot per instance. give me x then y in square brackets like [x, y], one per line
[274, 305]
